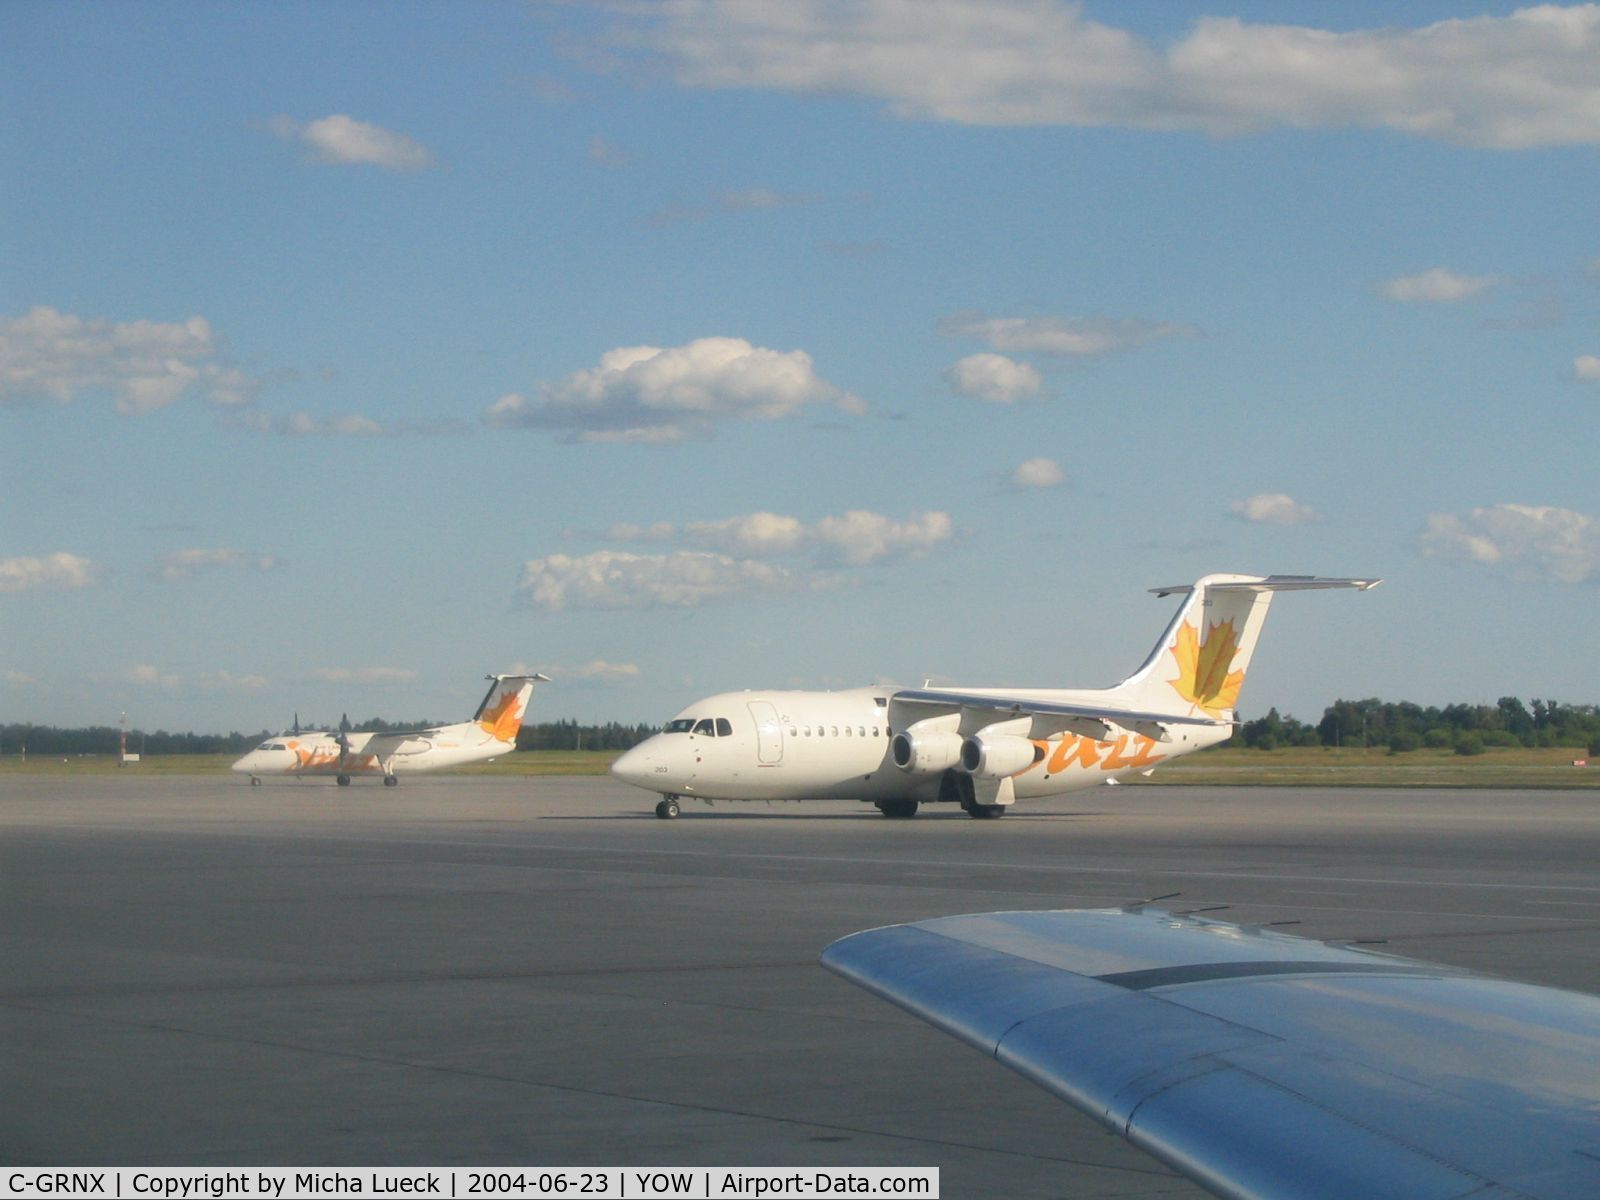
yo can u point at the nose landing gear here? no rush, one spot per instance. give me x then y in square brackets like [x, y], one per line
[668, 808]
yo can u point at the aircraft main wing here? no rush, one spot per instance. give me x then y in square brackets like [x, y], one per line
[1264, 1065]
[400, 741]
[1020, 704]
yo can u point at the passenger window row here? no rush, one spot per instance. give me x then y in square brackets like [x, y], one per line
[722, 727]
[837, 731]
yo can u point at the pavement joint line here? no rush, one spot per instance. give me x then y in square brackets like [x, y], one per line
[853, 860]
[394, 979]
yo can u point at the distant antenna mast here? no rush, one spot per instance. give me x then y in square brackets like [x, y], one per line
[123, 757]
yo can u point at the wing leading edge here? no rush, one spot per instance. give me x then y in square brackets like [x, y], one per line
[1264, 1065]
[1022, 704]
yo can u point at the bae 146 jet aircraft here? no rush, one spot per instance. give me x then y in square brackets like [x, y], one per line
[981, 748]
[491, 732]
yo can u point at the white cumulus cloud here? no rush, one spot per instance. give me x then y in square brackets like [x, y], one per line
[653, 394]
[610, 579]
[340, 139]
[59, 570]
[761, 534]
[182, 564]
[1523, 540]
[1273, 508]
[145, 365]
[303, 424]
[1061, 337]
[713, 561]
[599, 670]
[1438, 285]
[1531, 78]
[859, 538]
[855, 538]
[993, 377]
[363, 675]
[1038, 473]
[146, 675]
[1587, 367]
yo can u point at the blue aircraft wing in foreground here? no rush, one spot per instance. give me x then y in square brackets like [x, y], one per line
[1261, 1064]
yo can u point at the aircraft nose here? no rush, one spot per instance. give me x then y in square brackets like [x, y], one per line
[636, 766]
[244, 764]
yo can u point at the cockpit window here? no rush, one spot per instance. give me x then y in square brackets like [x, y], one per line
[681, 725]
[705, 727]
[724, 727]
[274, 746]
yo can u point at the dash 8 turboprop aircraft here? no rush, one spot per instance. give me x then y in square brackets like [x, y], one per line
[981, 748]
[491, 733]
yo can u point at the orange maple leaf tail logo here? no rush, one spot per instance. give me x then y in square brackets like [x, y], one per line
[504, 719]
[1203, 676]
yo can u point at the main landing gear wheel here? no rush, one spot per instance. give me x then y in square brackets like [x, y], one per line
[391, 781]
[898, 809]
[668, 808]
[984, 812]
[343, 781]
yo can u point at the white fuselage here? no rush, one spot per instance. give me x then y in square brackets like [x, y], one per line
[319, 753]
[491, 733]
[821, 745]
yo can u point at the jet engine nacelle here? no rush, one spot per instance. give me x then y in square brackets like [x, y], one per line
[998, 755]
[925, 752]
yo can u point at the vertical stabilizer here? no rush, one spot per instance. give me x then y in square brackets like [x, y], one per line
[500, 715]
[1201, 661]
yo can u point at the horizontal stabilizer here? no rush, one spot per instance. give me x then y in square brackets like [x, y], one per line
[1272, 583]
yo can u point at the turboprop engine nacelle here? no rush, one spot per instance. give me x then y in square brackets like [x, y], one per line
[997, 755]
[925, 751]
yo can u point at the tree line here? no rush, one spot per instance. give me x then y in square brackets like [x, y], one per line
[1395, 726]
[536, 735]
[50, 740]
[1403, 726]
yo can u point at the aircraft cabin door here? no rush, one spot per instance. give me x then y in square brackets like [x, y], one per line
[769, 733]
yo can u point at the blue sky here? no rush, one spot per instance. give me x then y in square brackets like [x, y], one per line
[350, 352]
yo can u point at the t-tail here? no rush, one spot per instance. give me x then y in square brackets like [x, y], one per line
[500, 715]
[1200, 663]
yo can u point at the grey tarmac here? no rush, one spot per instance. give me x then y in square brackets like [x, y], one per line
[526, 972]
